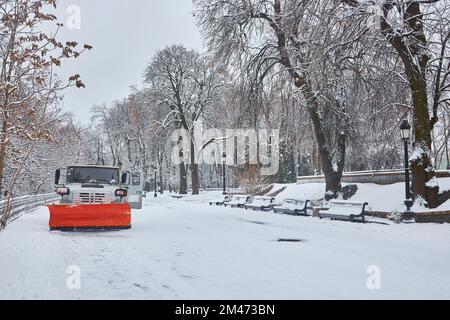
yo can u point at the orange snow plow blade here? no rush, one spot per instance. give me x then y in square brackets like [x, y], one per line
[79, 217]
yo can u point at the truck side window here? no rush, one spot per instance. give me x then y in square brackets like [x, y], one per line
[135, 179]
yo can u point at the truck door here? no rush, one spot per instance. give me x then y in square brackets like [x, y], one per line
[135, 189]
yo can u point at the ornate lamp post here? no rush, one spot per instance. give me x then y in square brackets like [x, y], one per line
[224, 162]
[405, 129]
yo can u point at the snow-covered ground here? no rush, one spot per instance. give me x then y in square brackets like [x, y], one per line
[185, 249]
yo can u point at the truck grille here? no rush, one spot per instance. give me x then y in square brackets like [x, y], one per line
[93, 198]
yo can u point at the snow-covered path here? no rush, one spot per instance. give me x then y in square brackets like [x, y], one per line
[184, 249]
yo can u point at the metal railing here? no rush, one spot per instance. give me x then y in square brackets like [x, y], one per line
[23, 204]
[214, 189]
[381, 177]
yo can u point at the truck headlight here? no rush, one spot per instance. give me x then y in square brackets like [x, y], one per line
[63, 191]
[121, 192]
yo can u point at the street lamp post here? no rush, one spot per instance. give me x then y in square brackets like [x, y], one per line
[224, 161]
[156, 184]
[405, 130]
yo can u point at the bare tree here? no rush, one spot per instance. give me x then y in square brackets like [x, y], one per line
[27, 82]
[185, 83]
[419, 32]
[297, 37]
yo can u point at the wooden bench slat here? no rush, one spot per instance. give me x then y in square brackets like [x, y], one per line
[341, 210]
[261, 203]
[238, 201]
[293, 206]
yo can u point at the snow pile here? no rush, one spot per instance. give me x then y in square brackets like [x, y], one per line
[293, 205]
[417, 154]
[433, 183]
[312, 191]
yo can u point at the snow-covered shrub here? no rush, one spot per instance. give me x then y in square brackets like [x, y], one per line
[251, 180]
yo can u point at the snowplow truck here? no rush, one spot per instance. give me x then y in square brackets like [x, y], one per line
[95, 198]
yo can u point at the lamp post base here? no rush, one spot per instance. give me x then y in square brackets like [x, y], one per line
[408, 215]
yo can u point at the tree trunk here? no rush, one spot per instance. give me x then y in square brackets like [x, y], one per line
[161, 181]
[3, 145]
[194, 171]
[332, 172]
[195, 179]
[5, 213]
[415, 65]
[183, 178]
[421, 166]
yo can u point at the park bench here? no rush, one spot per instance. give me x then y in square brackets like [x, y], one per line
[238, 201]
[222, 202]
[261, 203]
[343, 210]
[293, 206]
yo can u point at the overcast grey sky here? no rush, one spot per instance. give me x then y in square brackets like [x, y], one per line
[125, 35]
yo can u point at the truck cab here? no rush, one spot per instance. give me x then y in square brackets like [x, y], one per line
[93, 184]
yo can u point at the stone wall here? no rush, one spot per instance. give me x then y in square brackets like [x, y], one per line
[376, 177]
[433, 217]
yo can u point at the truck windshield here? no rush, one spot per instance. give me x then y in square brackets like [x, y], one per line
[93, 175]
